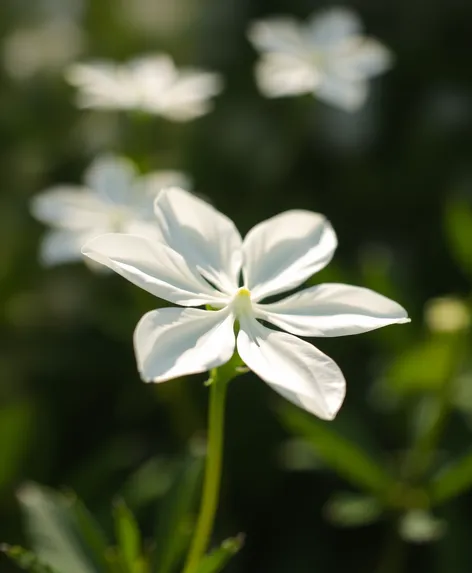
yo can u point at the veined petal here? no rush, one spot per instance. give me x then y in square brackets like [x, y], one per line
[284, 251]
[173, 342]
[206, 238]
[69, 207]
[154, 267]
[292, 367]
[333, 25]
[280, 75]
[63, 246]
[333, 310]
[112, 178]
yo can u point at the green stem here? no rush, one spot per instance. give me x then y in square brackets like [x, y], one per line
[211, 486]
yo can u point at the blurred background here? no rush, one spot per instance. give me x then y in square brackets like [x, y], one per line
[395, 180]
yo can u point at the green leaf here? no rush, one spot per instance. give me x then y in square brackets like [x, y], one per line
[419, 526]
[459, 232]
[177, 516]
[296, 455]
[217, 559]
[27, 560]
[423, 368]
[90, 531]
[352, 510]
[150, 482]
[452, 480]
[339, 453]
[128, 537]
[52, 531]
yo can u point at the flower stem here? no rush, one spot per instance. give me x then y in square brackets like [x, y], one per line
[211, 486]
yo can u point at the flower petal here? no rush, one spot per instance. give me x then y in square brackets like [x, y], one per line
[172, 342]
[63, 246]
[282, 34]
[103, 84]
[189, 96]
[148, 187]
[69, 207]
[154, 267]
[284, 251]
[147, 229]
[152, 75]
[292, 367]
[333, 25]
[349, 95]
[285, 75]
[333, 310]
[206, 238]
[112, 178]
[363, 58]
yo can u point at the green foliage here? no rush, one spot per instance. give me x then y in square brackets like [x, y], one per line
[339, 453]
[452, 480]
[94, 538]
[177, 516]
[458, 220]
[27, 560]
[52, 531]
[422, 368]
[128, 539]
[66, 538]
[216, 560]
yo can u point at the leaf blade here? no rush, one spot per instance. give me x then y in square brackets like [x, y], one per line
[452, 480]
[341, 454]
[51, 529]
[214, 561]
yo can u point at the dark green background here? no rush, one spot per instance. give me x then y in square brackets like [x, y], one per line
[73, 411]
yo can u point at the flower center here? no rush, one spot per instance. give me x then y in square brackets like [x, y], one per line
[241, 303]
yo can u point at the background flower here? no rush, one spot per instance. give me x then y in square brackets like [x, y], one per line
[327, 55]
[114, 198]
[150, 83]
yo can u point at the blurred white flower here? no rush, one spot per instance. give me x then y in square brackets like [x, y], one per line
[114, 198]
[327, 56]
[151, 84]
[199, 260]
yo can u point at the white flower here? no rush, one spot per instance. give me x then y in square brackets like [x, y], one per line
[151, 84]
[199, 261]
[114, 198]
[327, 56]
